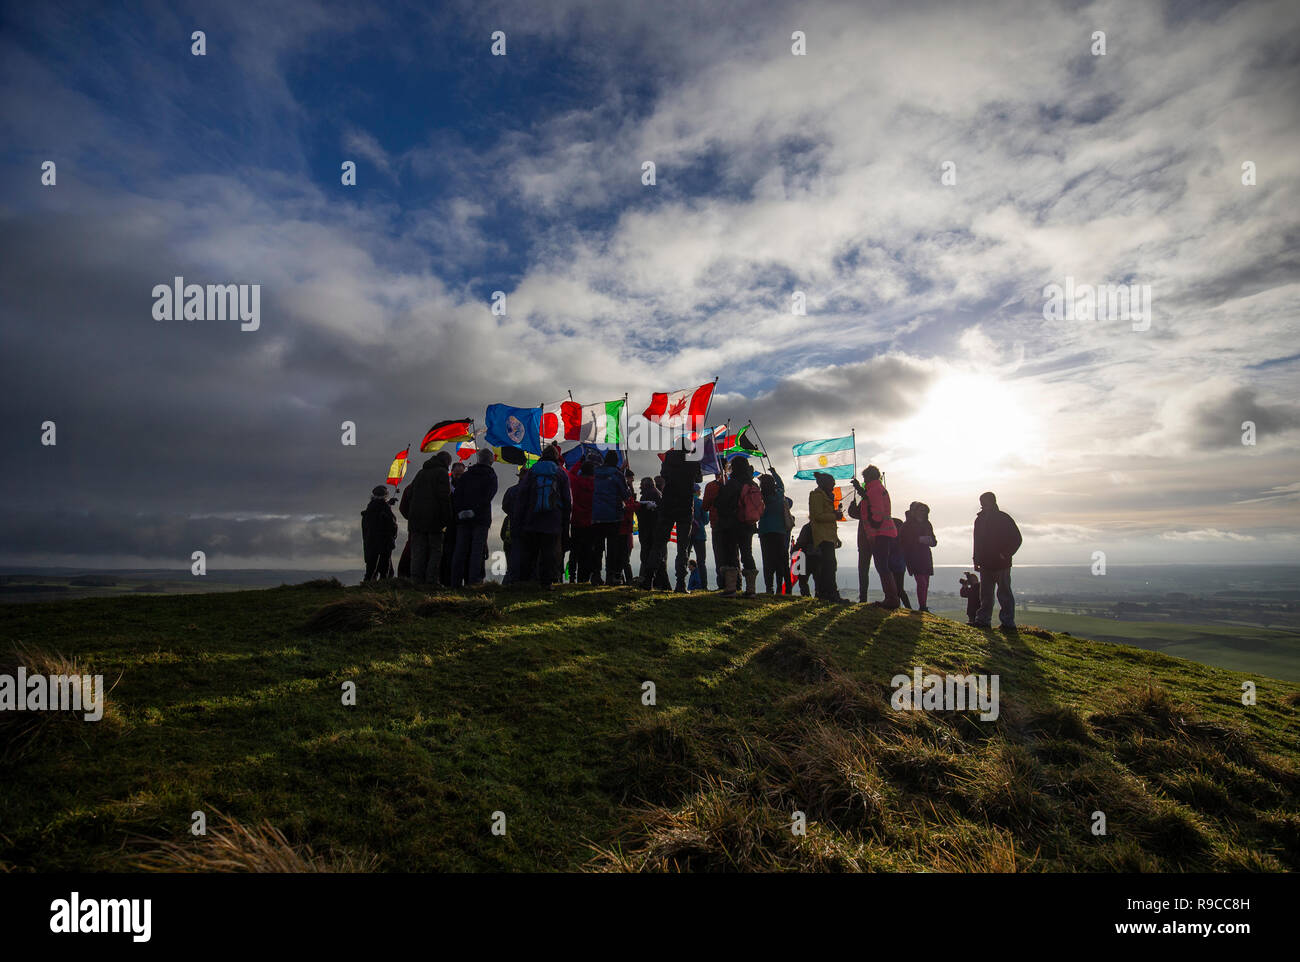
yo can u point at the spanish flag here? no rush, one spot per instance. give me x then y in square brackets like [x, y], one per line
[445, 431]
[397, 470]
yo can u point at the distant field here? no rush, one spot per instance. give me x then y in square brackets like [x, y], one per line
[1268, 651]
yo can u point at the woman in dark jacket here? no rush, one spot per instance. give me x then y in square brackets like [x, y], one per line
[917, 536]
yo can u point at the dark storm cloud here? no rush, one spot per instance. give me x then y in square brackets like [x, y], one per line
[1216, 422]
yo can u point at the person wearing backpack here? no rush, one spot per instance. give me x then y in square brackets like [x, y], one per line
[378, 534]
[823, 517]
[773, 535]
[545, 511]
[997, 539]
[877, 534]
[740, 506]
[609, 495]
[917, 537]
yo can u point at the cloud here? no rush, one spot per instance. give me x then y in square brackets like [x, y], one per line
[1205, 534]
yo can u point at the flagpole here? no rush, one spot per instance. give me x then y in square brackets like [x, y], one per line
[760, 441]
[853, 432]
[709, 407]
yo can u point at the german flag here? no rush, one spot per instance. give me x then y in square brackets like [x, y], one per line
[445, 431]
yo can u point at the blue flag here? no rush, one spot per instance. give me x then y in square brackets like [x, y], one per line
[580, 451]
[514, 427]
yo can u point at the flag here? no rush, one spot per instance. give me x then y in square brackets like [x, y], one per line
[680, 408]
[514, 427]
[397, 470]
[445, 431]
[513, 455]
[602, 423]
[561, 421]
[833, 456]
[837, 498]
[465, 450]
[742, 444]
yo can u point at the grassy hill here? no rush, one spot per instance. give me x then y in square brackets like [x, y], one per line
[530, 703]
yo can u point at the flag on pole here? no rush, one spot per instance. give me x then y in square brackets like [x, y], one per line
[397, 470]
[742, 443]
[586, 448]
[509, 426]
[445, 431]
[679, 408]
[561, 421]
[465, 450]
[833, 456]
[602, 423]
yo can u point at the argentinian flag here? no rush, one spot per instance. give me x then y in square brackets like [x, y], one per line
[833, 456]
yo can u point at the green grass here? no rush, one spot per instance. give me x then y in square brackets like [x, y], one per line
[1272, 652]
[530, 703]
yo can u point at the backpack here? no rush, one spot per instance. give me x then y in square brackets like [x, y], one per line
[727, 503]
[750, 508]
[543, 473]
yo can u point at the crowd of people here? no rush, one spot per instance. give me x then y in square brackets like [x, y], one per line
[576, 523]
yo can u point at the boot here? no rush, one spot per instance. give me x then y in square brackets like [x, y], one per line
[751, 580]
[729, 579]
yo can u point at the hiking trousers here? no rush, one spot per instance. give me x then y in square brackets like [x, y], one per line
[776, 561]
[1000, 582]
[426, 556]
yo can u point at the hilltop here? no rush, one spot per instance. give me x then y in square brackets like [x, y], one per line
[530, 703]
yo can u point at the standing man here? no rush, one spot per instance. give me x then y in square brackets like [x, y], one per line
[676, 510]
[546, 504]
[473, 503]
[876, 530]
[996, 539]
[699, 540]
[426, 506]
[707, 499]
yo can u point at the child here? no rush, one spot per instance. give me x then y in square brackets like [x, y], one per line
[378, 534]
[898, 565]
[970, 590]
[693, 582]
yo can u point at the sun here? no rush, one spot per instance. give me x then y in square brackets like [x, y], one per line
[970, 429]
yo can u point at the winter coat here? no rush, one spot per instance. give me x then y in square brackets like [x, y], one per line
[629, 515]
[773, 520]
[582, 488]
[609, 493]
[647, 517]
[729, 500]
[919, 559]
[875, 506]
[699, 521]
[378, 526]
[426, 502]
[822, 517]
[474, 492]
[897, 557]
[711, 492]
[553, 519]
[996, 539]
[680, 477]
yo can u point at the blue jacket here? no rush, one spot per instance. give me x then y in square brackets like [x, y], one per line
[694, 583]
[609, 496]
[474, 492]
[700, 521]
[897, 557]
[773, 519]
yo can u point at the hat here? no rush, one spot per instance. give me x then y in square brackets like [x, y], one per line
[379, 491]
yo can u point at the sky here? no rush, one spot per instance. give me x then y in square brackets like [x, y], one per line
[922, 173]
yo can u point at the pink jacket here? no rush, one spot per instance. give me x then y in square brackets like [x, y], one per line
[879, 507]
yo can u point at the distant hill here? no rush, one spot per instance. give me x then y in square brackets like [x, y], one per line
[530, 704]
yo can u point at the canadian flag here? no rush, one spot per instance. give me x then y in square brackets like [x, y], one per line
[561, 421]
[680, 408]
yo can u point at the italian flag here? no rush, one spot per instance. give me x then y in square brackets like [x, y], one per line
[678, 409]
[602, 423]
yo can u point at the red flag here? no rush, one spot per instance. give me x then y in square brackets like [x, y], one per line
[680, 408]
[562, 421]
[445, 431]
[397, 470]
